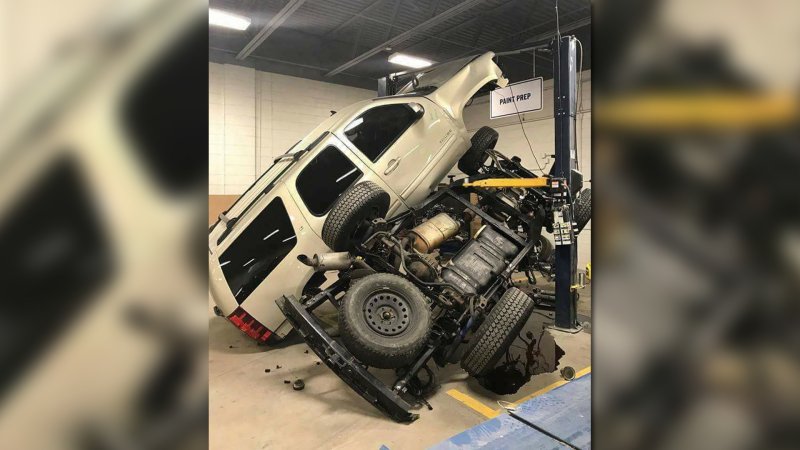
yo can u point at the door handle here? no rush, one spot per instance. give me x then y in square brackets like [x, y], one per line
[392, 166]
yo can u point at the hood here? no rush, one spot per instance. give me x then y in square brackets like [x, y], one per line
[452, 84]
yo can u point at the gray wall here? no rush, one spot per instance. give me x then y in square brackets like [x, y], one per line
[255, 116]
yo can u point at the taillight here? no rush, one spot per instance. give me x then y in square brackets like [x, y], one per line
[249, 325]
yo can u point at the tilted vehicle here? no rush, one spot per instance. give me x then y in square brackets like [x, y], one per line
[404, 144]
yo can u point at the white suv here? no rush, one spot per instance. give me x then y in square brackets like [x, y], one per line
[405, 143]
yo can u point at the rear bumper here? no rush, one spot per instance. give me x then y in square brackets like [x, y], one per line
[343, 364]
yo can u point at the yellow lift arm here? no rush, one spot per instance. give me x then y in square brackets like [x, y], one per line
[510, 183]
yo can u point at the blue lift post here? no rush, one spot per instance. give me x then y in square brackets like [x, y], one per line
[565, 106]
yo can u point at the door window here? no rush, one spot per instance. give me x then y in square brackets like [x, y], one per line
[324, 179]
[377, 129]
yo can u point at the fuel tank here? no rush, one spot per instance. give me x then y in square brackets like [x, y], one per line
[480, 261]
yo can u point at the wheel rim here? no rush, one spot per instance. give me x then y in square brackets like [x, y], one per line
[387, 313]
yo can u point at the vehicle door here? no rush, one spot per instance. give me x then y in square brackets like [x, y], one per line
[400, 141]
[324, 175]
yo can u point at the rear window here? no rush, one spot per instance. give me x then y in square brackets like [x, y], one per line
[376, 130]
[258, 250]
[324, 179]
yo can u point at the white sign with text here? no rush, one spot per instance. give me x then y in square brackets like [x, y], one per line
[522, 97]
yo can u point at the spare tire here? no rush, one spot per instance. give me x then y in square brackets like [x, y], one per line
[582, 208]
[350, 216]
[497, 332]
[484, 139]
[384, 321]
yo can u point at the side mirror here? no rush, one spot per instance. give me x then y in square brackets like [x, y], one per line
[419, 111]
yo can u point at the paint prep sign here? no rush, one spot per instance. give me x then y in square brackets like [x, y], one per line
[522, 97]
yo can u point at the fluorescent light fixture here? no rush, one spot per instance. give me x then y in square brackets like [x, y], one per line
[225, 19]
[409, 61]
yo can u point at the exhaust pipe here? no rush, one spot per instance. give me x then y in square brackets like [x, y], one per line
[328, 261]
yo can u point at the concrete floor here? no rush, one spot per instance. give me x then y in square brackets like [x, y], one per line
[252, 409]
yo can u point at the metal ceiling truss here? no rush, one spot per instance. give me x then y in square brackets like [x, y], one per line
[404, 36]
[355, 17]
[270, 28]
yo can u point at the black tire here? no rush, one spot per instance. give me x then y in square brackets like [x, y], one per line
[345, 224]
[496, 333]
[378, 343]
[484, 139]
[582, 208]
[546, 249]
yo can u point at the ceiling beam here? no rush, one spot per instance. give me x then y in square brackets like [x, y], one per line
[402, 37]
[436, 37]
[538, 38]
[274, 23]
[486, 15]
[394, 18]
[353, 18]
[481, 19]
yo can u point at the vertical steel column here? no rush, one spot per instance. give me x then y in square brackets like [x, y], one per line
[565, 109]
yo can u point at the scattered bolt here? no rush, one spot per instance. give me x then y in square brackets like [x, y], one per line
[230, 346]
[306, 352]
[266, 370]
[277, 367]
[298, 385]
[286, 381]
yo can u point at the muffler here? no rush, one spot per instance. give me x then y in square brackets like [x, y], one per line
[429, 235]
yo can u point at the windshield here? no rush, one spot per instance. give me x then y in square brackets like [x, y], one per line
[427, 81]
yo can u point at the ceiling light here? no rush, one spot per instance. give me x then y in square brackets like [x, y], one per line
[409, 61]
[227, 20]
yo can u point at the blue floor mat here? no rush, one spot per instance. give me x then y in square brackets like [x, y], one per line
[565, 412]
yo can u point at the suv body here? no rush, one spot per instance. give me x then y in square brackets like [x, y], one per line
[406, 144]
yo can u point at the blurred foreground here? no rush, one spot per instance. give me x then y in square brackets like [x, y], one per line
[102, 223]
[697, 224]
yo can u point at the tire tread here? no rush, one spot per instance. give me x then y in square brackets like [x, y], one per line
[583, 208]
[374, 355]
[483, 139]
[346, 209]
[497, 332]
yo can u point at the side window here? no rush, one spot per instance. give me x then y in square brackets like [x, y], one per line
[324, 179]
[376, 130]
[258, 250]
